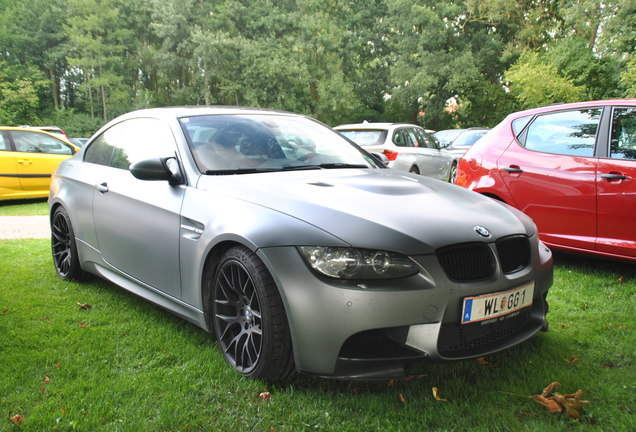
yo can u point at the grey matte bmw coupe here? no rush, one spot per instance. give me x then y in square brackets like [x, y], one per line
[296, 248]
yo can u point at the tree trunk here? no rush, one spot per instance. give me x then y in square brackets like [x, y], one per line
[54, 89]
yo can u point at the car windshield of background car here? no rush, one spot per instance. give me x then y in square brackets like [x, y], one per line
[467, 139]
[365, 137]
[227, 144]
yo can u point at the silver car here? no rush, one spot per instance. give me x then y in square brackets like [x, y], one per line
[298, 250]
[408, 147]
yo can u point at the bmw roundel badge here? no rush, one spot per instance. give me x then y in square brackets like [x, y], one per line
[481, 231]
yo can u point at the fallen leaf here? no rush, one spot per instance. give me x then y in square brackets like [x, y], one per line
[621, 280]
[402, 398]
[46, 379]
[17, 419]
[58, 364]
[265, 396]
[414, 377]
[573, 359]
[84, 305]
[548, 389]
[391, 383]
[484, 361]
[549, 403]
[5, 310]
[565, 326]
[82, 325]
[437, 396]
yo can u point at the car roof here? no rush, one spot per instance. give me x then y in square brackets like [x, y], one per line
[188, 111]
[566, 106]
[373, 126]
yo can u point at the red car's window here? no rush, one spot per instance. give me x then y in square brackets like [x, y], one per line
[623, 141]
[568, 132]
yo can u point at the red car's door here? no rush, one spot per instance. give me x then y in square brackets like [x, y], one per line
[617, 187]
[550, 172]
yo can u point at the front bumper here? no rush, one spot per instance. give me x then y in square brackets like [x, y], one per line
[380, 329]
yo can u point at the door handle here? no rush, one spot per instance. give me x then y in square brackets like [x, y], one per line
[614, 176]
[103, 187]
[25, 162]
[513, 169]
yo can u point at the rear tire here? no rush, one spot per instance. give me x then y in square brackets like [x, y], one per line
[453, 173]
[64, 248]
[249, 317]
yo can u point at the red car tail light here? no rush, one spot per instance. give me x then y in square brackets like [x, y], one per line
[391, 155]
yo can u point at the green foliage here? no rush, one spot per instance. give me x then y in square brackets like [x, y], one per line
[340, 61]
[628, 78]
[535, 83]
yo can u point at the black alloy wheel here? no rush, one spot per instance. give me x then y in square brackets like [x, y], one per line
[63, 247]
[249, 318]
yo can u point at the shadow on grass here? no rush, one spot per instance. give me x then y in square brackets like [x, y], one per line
[587, 264]
[13, 202]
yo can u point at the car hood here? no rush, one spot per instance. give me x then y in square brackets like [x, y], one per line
[371, 208]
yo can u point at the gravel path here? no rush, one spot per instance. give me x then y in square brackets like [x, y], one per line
[17, 227]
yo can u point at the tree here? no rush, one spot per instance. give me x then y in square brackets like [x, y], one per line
[535, 83]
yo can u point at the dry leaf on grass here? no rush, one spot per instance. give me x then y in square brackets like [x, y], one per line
[437, 396]
[573, 359]
[17, 419]
[484, 361]
[84, 305]
[265, 396]
[554, 402]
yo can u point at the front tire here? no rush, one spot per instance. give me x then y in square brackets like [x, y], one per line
[64, 248]
[249, 318]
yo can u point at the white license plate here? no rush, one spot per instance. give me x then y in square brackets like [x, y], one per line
[488, 306]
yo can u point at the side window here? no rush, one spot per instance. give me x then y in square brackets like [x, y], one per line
[425, 140]
[623, 139]
[35, 142]
[400, 139]
[4, 143]
[569, 132]
[141, 139]
[100, 151]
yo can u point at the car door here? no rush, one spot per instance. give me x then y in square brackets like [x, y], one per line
[9, 182]
[137, 221]
[38, 155]
[550, 172]
[616, 182]
[435, 161]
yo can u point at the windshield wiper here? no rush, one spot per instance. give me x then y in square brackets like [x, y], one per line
[240, 171]
[343, 165]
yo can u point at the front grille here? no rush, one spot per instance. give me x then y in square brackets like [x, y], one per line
[467, 262]
[513, 253]
[457, 340]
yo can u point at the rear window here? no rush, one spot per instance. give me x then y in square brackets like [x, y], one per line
[365, 137]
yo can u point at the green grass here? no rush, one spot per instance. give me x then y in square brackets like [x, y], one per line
[126, 365]
[30, 207]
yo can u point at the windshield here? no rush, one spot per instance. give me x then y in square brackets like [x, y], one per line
[236, 144]
[467, 139]
[365, 137]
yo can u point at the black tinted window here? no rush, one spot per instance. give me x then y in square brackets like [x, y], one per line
[568, 132]
[623, 140]
[101, 149]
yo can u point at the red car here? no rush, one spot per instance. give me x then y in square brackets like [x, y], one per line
[570, 167]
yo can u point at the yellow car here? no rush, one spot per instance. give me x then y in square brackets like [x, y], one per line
[28, 157]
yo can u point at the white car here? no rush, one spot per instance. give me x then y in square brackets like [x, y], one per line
[408, 148]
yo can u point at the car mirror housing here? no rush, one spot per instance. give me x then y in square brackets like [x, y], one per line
[158, 169]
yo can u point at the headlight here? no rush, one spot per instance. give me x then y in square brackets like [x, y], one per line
[350, 263]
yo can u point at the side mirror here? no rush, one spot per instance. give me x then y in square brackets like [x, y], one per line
[158, 169]
[381, 158]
